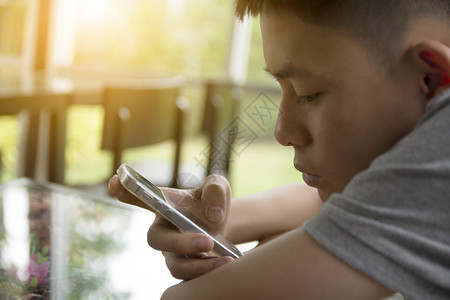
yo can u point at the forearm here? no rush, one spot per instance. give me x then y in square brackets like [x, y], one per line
[293, 266]
[276, 211]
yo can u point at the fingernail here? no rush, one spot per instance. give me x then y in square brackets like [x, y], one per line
[202, 244]
[215, 214]
[113, 190]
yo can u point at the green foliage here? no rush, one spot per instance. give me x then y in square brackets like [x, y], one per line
[9, 137]
[10, 288]
[95, 235]
[83, 146]
[33, 283]
[256, 61]
[146, 34]
[41, 252]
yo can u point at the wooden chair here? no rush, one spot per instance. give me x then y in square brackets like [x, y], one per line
[222, 105]
[42, 134]
[142, 113]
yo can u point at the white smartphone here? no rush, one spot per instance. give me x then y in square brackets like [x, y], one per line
[183, 219]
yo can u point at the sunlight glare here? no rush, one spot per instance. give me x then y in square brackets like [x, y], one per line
[95, 12]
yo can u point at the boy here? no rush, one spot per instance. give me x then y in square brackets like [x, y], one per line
[366, 106]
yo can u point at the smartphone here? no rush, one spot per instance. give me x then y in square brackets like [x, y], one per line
[183, 219]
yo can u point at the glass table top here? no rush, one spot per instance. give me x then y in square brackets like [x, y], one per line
[59, 243]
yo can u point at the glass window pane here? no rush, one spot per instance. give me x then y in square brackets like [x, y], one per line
[189, 37]
[12, 27]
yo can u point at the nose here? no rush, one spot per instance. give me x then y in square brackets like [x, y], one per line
[292, 124]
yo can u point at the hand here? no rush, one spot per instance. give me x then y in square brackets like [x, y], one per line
[210, 203]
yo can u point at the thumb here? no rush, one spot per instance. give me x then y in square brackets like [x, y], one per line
[215, 198]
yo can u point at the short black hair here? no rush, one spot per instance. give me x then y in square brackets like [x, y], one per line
[380, 25]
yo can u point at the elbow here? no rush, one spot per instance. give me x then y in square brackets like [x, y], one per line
[173, 293]
[167, 295]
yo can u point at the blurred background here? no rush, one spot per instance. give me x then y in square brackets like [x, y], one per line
[75, 47]
[175, 88]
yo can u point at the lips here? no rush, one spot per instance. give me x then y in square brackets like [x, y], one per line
[310, 179]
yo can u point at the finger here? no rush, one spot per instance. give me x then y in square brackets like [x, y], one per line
[215, 195]
[189, 268]
[179, 197]
[118, 191]
[162, 236]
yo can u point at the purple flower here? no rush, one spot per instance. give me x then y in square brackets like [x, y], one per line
[38, 271]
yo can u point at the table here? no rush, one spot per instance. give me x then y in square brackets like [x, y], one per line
[78, 246]
[65, 244]
[51, 92]
[45, 97]
[81, 89]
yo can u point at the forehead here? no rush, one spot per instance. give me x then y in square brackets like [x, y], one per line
[294, 47]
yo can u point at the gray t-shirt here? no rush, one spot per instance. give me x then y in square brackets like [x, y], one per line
[392, 221]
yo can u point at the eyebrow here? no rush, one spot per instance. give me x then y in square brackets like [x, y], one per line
[288, 71]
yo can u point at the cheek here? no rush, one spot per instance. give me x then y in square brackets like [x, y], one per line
[337, 148]
[367, 129]
[348, 138]
[354, 127]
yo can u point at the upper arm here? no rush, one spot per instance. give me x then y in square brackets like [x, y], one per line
[293, 266]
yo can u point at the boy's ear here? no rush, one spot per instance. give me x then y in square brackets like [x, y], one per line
[432, 59]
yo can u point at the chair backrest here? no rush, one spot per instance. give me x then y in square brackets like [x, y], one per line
[141, 113]
[42, 134]
[222, 105]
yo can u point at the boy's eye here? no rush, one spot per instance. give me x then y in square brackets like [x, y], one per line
[307, 99]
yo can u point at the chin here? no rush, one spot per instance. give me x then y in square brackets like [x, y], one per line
[324, 195]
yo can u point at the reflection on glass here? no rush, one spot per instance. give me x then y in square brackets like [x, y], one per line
[57, 245]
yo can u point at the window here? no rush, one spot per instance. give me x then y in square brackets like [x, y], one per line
[177, 36]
